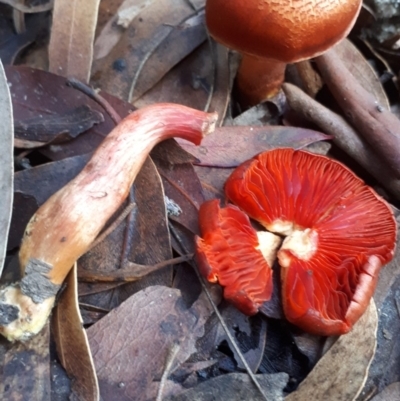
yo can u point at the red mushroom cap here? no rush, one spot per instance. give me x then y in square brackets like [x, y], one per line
[339, 234]
[229, 253]
[283, 30]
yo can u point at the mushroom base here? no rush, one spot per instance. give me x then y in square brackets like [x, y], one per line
[20, 317]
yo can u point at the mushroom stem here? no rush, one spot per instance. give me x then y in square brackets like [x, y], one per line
[258, 79]
[64, 227]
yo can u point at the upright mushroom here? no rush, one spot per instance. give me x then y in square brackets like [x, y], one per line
[271, 33]
[338, 234]
[65, 226]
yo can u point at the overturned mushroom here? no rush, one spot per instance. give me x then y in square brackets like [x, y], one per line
[233, 253]
[64, 227]
[338, 234]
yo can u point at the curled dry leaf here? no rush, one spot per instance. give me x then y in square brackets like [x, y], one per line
[72, 345]
[362, 70]
[30, 8]
[163, 34]
[14, 45]
[378, 126]
[131, 343]
[112, 32]
[341, 373]
[343, 135]
[7, 167]
[231, 146]
[72, 37]
[204, 78]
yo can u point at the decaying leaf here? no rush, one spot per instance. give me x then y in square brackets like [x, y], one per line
[204, 78]
[6, 167]
[72, 37]
[113, 29]
[341, 373]
[72, 345]
[158, 38]
[384, 367]
[236, 387]
[37, 92]
[362, 70]
[25, 368]
[41, 130]
[30, 8]
[250, 334]
[390, 393]
[184, 192]
[34, 186]
[12, 44]
[142, 238]
[131, 343]
[230, 146]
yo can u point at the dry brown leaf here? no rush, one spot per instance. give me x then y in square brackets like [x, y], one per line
[113, 29]
[159, 37]
[204, 81]
[236, 387]
[72, 344]
[130, 344]
[142, 238]
[220, 91]
[6, 167]
[341, 373]
[384, 367]
[72, 36]
[390, 393]
[56, 128]
[362, 70]
[389, 273]
[29, 8]
[25, 369]
[227, 147]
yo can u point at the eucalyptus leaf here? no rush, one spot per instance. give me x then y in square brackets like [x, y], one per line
[6, 166]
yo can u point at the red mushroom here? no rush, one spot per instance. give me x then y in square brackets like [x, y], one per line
[66, 225]
[339, 233]
[272, 33]
[233, 253]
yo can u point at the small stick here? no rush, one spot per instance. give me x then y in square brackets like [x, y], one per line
[344, 136]
[379, 127]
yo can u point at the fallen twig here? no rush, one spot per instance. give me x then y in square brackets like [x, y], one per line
[344, 136]
[379, 127]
